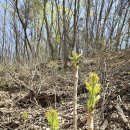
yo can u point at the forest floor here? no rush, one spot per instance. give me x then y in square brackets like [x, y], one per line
[35, 88]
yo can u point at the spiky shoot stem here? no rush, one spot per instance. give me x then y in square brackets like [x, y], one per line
[90, 120]
[75, 62]
[75, 98]
[94, 87]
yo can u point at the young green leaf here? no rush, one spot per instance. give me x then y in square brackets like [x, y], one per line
[96, 99]
[94, 79]
[25, 116]
[97, 88]
[52, 117]
[75, 58]
[89, 87]
[94, 88]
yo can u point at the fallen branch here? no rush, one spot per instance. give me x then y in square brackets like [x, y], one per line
[122, 115]
[104, 126]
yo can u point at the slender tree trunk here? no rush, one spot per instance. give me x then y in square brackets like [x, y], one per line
[4, 34]
[16, 35]
[64, 37]
[75, 24]
[39, 38]
[48, 33]
[87, 8]
[106, 17]
[24, 26]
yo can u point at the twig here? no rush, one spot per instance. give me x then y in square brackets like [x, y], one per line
[122, 115]
[103, 127]
[19, 81]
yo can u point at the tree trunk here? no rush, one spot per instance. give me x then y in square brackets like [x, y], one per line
[48, 33]
[64, 37]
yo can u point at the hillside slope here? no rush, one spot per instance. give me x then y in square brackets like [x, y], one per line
[37, 87]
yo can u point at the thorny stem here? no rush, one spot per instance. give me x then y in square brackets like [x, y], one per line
[90, 120]
[75, 98]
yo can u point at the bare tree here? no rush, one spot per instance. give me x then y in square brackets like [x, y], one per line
[65, 51]
[58, 27]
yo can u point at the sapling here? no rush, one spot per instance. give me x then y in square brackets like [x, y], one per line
[94, 88]
[52, 117]
[75, 62]
[25, 116]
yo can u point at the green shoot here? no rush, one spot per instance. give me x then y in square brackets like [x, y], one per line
[52, 117]
[25, 116]
[94, 88]
[75, 59]
[75, 62]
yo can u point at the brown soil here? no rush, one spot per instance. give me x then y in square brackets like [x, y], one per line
[36, 88]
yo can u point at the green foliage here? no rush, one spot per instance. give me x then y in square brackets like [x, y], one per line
[75, 59]
[52, 117]
[58, 39]
[94, 88]
[2, 68]
[25, 116]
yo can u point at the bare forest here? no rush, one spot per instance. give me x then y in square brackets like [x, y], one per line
[64, 64]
